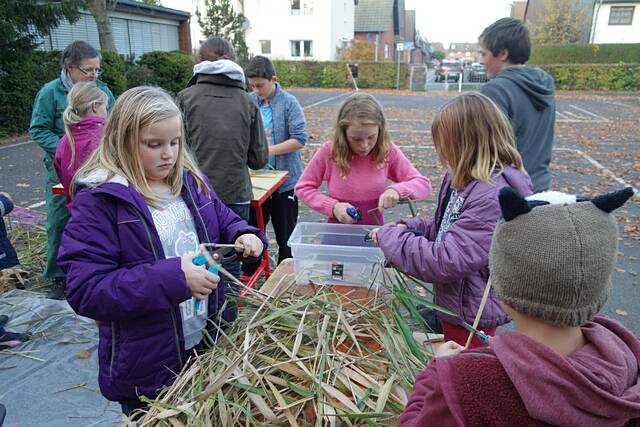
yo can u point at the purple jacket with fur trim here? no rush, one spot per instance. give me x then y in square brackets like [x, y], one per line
[117, 274]
[458, 265]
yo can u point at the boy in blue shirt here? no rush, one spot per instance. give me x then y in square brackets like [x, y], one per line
[284, 124]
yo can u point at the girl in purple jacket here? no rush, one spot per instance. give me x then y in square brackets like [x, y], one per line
[140, 210]
[474, 141]
[83, 120]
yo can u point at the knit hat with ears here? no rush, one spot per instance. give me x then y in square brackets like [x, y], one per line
[552, 260]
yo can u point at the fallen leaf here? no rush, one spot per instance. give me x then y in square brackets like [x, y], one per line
[621, 312]
[83, 354]
[23, 185]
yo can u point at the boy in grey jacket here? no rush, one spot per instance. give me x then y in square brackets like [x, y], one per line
[284, 123]
[525, 94]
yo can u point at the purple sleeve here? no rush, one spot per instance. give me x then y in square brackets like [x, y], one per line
[99, 287]
[464, 247]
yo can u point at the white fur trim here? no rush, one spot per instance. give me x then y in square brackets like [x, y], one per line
[99, 176]
[553, 197]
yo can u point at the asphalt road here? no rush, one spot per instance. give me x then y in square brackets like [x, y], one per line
[596, 150]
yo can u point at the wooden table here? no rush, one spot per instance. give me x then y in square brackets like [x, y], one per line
[282, 277]
[264, 183]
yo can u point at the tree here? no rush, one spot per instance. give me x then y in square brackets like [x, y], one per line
[23, 21]
[559, 23]
[438, 54]
[221, 20]
[358, 50]
[98, 9]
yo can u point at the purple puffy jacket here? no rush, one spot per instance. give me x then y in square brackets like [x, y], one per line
[458, 265]
[117, 274]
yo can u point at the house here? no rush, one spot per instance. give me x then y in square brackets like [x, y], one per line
[462, 51]
[298, 29]
[137, 28]
[530, 11]
[381, 23]
[417, 50]
[615, 22]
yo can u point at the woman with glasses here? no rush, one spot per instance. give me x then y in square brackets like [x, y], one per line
[80, 62]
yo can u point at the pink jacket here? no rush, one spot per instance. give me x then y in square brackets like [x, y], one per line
[86, 136]
[519, 381]
[363, 186]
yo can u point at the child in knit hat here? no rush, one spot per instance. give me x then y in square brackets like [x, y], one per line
[551, 267]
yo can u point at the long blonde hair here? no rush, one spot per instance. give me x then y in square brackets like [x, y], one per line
[81, 100]
[474, 139]
[119, 153]
[364, 108]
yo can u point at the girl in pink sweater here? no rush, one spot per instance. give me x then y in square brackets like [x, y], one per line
[84, 120]
[356, 166]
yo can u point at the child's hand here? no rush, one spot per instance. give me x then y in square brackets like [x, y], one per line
[450, 348]
[388, 199]
[200, 281]
[340, 212]
[373, 234]
[251, 243]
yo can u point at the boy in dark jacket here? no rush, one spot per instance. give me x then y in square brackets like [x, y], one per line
[551, 263]
[525, 94]
[224, 129]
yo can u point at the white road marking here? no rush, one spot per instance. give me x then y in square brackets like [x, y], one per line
[36, 205]
[18, 144]
[325, 100]
[604, 119]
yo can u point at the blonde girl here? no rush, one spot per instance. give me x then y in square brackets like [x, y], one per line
[141, 208]
[475, 143]
[356, 165]
[84, 120]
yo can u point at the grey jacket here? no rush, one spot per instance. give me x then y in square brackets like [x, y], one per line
[225, 132]
[526, 95]
[288, 122]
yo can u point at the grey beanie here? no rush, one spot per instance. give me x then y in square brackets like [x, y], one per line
[554, 261]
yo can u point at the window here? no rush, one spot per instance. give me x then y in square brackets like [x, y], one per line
[621, 15]
[265, 46]
[301, 48]
[308, 7]
[304, 6]
[295, 7]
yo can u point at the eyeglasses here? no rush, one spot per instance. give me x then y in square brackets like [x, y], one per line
[91, 71]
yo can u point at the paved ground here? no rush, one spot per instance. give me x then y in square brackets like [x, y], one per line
[597, 150]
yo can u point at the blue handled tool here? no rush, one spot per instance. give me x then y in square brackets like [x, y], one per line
[202, 260]
[354, 213]
[484, 338]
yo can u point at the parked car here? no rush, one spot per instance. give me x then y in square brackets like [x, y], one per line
[449, 70]
[478, 73]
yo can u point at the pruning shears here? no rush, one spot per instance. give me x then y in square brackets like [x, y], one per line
[354, 213]
[484, 338]
[414, 231]
[206, 258]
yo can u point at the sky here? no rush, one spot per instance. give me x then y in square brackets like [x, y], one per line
[460, 21]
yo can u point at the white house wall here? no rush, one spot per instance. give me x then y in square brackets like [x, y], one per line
[330, 22]
[605, 33]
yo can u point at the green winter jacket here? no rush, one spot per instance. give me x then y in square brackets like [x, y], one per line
[46, 126]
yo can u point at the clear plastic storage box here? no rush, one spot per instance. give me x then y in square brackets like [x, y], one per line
[335, 254]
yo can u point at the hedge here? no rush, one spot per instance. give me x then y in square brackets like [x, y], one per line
[19, 88]
[169, 70]
[335, 74]
[595, 76]
[585, 54]
[114, 72]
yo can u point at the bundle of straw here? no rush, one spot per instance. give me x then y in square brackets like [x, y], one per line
[320, 359]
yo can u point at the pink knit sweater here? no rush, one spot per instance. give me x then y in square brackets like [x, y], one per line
[363, 186]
